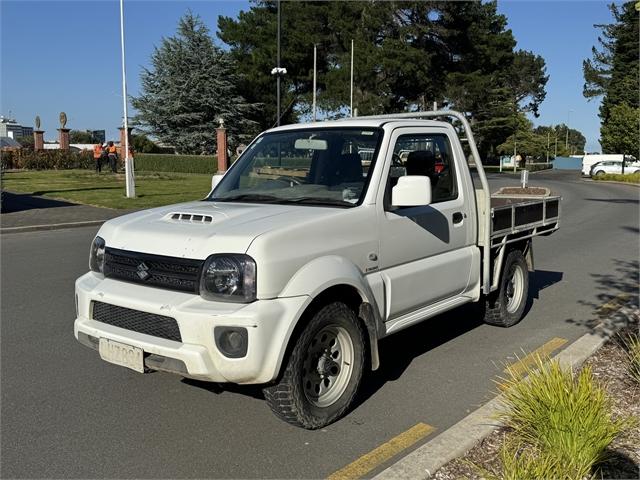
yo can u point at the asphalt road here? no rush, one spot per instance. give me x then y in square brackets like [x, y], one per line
[66, 413]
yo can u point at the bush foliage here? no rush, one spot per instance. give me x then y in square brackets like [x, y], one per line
[617, 177]
[563, 422]
[176, 163]
[46, 160]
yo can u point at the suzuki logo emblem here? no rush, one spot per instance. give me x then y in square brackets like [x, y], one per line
[143, 271]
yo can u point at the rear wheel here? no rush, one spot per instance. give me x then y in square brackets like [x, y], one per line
[505, 307]
[323, 372]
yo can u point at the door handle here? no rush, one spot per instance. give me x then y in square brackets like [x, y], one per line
[457, 217]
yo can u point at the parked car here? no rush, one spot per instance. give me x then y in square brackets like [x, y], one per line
[602, 168]
[590, 160]
[289, 277]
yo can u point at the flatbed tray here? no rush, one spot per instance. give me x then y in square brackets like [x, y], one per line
[516, 213]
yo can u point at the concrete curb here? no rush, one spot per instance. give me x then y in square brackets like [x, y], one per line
[611, 181]
[456, 441]
[53, 226]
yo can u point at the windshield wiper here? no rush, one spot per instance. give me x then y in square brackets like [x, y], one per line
[247, 197]
[319, 201]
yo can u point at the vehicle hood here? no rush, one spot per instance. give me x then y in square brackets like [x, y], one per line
[178, 231]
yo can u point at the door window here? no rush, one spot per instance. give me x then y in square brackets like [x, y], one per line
[428, 155]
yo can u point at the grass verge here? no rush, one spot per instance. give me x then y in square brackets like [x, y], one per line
[108, 190]
[615, 177]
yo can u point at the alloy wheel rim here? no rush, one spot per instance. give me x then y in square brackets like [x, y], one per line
[327, 366]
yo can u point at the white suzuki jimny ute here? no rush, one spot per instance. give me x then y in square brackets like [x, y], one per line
[320, 240]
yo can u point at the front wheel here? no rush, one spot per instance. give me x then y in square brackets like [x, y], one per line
[323, 372]
[505, 307]
[599, 173]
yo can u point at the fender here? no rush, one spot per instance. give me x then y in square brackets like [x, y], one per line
[322, 273]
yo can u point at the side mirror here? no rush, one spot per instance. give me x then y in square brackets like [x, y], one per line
[411, 191]
[215, 180]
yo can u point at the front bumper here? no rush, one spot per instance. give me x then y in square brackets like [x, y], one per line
[269, 324]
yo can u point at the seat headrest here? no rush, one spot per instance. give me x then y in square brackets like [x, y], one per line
[350, 168]
[421, 162]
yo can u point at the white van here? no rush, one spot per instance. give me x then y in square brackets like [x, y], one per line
[589, 160]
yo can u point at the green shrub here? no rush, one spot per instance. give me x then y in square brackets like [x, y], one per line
[566, 418]
[520, 461]
[156, 162]
[617, 177]
[632, 347]
[47, 160]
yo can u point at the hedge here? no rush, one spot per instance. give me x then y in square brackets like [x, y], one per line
[46, 159]
[157, 162]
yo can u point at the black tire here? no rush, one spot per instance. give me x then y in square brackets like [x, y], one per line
[599, 173]
[293, 399]
[501, 308]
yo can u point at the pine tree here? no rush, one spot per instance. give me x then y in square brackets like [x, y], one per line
[613, 74]
[190, 85]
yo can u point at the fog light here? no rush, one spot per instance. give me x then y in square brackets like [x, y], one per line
[231, 341]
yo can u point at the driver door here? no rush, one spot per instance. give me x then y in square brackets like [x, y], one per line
[426, 252]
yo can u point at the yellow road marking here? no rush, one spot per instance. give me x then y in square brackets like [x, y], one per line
[521, 366]
[381, 454]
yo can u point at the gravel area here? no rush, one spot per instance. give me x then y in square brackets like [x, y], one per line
[609, 365]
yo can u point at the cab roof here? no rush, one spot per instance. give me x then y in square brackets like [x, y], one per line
[363, 122]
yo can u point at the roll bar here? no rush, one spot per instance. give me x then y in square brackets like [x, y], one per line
[486, 231]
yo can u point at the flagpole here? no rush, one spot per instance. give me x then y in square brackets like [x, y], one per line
[315, 53]
[128, 162]
[351, 100]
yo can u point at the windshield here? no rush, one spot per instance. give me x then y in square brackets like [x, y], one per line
[315, 166]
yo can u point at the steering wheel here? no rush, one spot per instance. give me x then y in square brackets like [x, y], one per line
[396, 161]
[289, 179]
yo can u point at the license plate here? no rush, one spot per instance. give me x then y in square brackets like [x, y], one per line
[121, 354]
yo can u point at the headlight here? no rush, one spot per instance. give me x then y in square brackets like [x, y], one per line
[96, 257]
[229, 278]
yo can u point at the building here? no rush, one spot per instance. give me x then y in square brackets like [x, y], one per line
[12, 129]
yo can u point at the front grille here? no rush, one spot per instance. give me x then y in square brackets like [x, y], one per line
[172, 273]
[136, 321]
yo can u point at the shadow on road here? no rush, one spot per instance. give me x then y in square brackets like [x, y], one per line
[614, 200]
[18, 202]
[618, 290]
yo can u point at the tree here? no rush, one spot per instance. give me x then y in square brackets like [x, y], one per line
[190, 85]
[80, 136]
[26, 142]
[408, 54]
[143, 144]
[613, 73]
[620, 131]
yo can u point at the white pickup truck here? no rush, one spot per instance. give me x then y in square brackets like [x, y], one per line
[304, 255]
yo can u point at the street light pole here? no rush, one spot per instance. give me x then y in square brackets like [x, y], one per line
[278, 67]
[128, 161]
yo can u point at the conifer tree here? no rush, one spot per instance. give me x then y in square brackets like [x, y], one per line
[190, 85]
[613, 74]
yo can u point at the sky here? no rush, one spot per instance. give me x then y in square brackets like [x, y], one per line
[65, 56]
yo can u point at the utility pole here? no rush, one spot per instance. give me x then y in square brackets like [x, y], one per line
[556, 152]
[566, 142]
[128, 161]
[548, 138]
[315, 58]
[351, 101]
